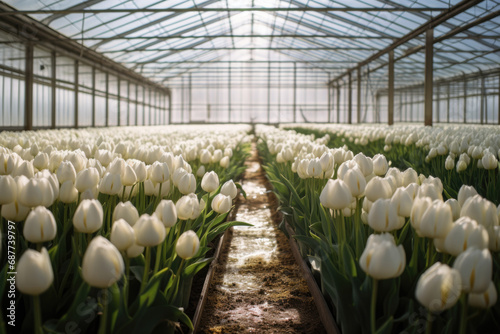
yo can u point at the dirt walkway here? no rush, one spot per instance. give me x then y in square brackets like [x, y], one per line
[258, 287]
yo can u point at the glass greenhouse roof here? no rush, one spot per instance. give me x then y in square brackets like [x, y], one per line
[164, 40]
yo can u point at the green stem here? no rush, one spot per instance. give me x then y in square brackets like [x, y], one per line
[428, 327]
[104, 316]
[146, 269]
[126, 283]
[373, 306]
[463, 316]
[158, 257]
[38, 315]
[123, 193]
[131, 190]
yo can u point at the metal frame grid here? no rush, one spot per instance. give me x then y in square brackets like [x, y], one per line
[273, 61]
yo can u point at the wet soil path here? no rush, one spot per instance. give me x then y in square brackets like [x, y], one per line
[258, 287]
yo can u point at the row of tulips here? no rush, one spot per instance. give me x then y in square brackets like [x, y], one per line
[107, 227]
[458, 155]
[391, 254]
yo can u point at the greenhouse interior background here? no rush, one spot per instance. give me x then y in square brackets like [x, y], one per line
[105, 63]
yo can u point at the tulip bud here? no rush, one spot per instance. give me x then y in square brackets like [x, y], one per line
[34, 272]
[224, 162]
[88, 216]
[314, 168]
[188, 207]
[122, 235]
[489, 161]
[464, 193]
[201, 171]
[365, 164]
[355, 180]
[205, 157]
[475, 267]
[378, 188]
[7, 163]
[410, 176]
[335, 195]
[217, 156]
[449, 164]
[403, 202]
[380, 165]
[40, 225]
[485, 299]
[494, 238]
[9, 189]
[149, 231]
[187, 184]
[228, 152]
[221, 203]
[128, 176]
[481, 210]
[160, 172]
[111, 184]
[436, 221]
[126, 211]
[439, 287]
[68, 193]
[229, 189]
[24, 168]
[464, 234]
[177, 175]
[187, 245]
[381, 258]
[87, 179]
[383, 216]
[455, 208]
[167, 213]
[134, 251]
[420, 205]
[140, 171]
[210, 182]
[65, 172]
[41, 161]
[102, 263]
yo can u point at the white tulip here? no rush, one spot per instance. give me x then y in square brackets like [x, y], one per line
[484, 299]
[167, 213]
[122, 235]
[187, 245]
[464, 234]
[439, 287]
[475, 267]
[188, 207]
[149, 231]
[9, 189]
[335, 195]
[436, 222]
[88, 216]
[187, 184]
[68, 193]
[126, 211]
[102, 263]
[210, 182]
[381, 258]
[40, 225]
[34, 272]
[221, 203]
[383, 216]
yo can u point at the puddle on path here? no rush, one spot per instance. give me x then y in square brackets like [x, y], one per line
[258, 288]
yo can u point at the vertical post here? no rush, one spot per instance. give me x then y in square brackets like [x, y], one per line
[119, 98]
[448, 103]
[498, 102]
[438, 109]
[338, 102]
[358, 93]
[182, 99]
[128, 103]
[229, 94]
[93, 96]
[269, 93]
[28, 88]
[170, 107]
[349, 99]
[143, 105]
[53, 88]
[190, 98]
[295, 92]
[329, 99]
[107, 99]
[136, 104]
[411, 106]
[484, 115]
[428, 89]
[390, 93]
[76, 93]
[465, 99]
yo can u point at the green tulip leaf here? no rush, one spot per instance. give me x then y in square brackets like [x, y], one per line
[193, 268]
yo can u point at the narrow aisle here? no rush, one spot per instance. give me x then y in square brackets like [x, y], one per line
[258, 287]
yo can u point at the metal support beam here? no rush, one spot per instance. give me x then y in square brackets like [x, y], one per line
[338, 102]
[119, 102]
[136, 104]
[428, 84]
[437, 20]
[349, 99]
[169, 108]
[498, 100]
[448, 103]
[190, 102]
[76, 94]
[224, 9]
[269, 94]
[465, 99]
[143, 105]
[390, 95]
[53, 89]
[150, 103]
[28, 88]
[128, 103]
[93, 96]
[107, 99]
[294, 92]
[358, 95]
[329, 92]
[229, 94]
[484, 115]
[438, 109]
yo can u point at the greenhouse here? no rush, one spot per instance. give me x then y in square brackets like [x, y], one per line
[249, 166]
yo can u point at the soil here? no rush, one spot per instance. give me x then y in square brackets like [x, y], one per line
[257, 286]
